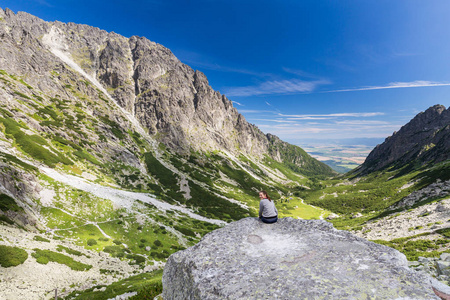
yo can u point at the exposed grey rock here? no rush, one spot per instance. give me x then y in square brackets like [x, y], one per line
[441, 208]
[172, 101]
[437, 189]
[357, 215]
[445, 256]
[291, 259]
[443, 267]
[424, 259]
[332, 216]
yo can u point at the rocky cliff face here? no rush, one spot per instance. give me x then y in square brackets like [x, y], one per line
[426, 138]
[292, 259]
[174, 103]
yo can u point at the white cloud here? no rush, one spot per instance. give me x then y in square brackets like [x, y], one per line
[274, 120]
[361, 122]
[395, 85]
[330, 116]
[292, 86]
[336, 125]
[254, 111]
[240, 104]
[300, 73]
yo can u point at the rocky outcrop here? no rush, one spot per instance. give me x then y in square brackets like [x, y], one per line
[439, 189]
[425, 219]
[438, 267]
[426, 138]
[292, 259]
[174, 103]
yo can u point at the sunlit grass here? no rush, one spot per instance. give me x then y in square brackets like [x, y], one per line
[296, 209]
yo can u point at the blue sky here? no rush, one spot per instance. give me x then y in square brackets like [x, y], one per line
[298, 69]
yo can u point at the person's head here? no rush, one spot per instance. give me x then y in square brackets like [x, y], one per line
[264, 195]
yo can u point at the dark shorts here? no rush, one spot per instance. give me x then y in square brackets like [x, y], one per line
[269, 220]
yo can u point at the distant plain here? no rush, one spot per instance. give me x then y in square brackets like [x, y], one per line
[342, 158]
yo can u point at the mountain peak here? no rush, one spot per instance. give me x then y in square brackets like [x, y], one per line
[426, 138]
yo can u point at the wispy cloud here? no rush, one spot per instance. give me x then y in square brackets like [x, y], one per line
[332, 125]
[206, 62]
[291, 86]
[361, 122]
[254, 111]
[237, 103]
[395, 85]
[286, 130]
[327, 116]
[43, 2]
[274, 120]
[328, 130]
[300, 73]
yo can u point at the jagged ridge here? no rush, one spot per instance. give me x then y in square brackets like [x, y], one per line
[173, 102]
[425, 139]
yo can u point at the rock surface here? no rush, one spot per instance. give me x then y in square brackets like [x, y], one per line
[292, 259]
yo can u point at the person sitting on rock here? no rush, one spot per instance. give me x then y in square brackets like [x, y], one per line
[267, 211]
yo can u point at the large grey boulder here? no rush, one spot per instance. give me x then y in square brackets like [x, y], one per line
[292, 259]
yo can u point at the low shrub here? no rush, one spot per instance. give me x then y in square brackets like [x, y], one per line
[91, 242]
[44, 256]
[12, 256]
[137, 258]
[148, 292]
[115, 251]
[68, 250]
[6, 220]
[185, 231]
[8, 203]
[40, 239]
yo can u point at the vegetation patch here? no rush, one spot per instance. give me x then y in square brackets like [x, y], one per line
[40, 239]
[33, 145]
[44, 256]
[12, 159]
[374, 193]
[294, 207]
[419, 247]
[61, 248]
[6, 220]
[56, 218]
[12, 256]
[147, 285]
[115, 251]
[7, 203]
[166, 177]
[84, 155]
[115, 128]
[91, 242]
[133, 237]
